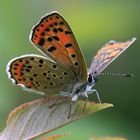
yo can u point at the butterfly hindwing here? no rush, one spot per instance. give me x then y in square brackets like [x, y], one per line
[40, 74]
[106, 55]
[54, 37]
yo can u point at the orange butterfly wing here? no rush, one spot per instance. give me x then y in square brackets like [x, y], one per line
[106, 55]
[53, 36]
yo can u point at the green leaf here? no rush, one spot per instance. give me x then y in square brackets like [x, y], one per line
[41, 116]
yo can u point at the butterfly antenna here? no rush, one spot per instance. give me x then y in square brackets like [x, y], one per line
[117, 74]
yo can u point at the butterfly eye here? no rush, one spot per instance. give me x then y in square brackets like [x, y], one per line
[90, 79]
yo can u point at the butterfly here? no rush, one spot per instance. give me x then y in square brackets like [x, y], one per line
[62, 70]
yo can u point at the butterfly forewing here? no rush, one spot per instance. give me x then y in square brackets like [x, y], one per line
[53, 36]
[106, 55]
[40, 74]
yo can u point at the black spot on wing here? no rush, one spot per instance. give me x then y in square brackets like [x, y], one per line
[41, 42]
[56, 38]
[60, 29]
[68, 32]
[73, 55]
[51, 49]
[68, 45]
[76, 63]
[55, 30]
[49, 39]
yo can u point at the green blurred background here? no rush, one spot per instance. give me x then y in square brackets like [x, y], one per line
[94, 22]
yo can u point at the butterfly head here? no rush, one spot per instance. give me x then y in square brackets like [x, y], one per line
[91, 80]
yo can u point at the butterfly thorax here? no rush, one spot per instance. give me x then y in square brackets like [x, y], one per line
[74, 91]
[83, 89]
[80, 89]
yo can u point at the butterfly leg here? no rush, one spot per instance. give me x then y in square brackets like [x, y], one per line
[98, 97]
[69, 113]
[86, 99]
[56, 102]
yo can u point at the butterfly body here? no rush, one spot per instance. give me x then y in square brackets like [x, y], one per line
[62, 70]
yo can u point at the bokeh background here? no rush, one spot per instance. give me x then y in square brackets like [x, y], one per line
[94, 22]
